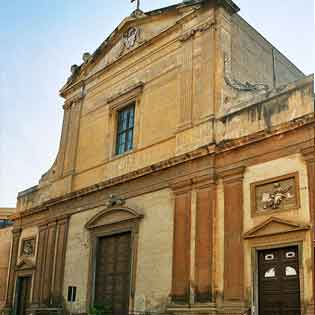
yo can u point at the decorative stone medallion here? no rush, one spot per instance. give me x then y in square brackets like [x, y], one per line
[280, 193]
[28, 247]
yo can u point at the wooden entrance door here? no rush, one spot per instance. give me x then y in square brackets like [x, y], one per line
[279, 285]
[23, 290]
[112, 277]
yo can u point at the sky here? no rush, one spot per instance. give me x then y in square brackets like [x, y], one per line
[41, 39]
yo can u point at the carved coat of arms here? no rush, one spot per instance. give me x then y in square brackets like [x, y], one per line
[130, 37]
[274, 199]
[279, 193]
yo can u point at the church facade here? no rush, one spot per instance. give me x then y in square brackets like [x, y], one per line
[185, 178]
[5, 246]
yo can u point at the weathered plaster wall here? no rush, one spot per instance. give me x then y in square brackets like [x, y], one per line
[270, 109]
[155, 249]
[77, 259]
[5, 246]
[154, 263]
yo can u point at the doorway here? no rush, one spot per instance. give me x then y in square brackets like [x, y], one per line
[23, 290]
[279, 281]
[113, 272]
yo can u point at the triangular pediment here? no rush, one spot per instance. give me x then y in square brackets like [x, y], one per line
[113, 216]
[274, 226]
[134, 31]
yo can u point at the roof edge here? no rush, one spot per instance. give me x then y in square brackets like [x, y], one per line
[227, 4]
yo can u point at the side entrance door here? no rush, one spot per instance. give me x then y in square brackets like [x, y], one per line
[23, 290]
[279, 284]
[113, 269]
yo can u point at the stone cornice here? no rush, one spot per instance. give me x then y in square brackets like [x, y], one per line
[74, 84]
[232, 174]
[117, 180]
[226, 145]
[198, 153]
[199, 29]
[309, 153]
[73, 101]
[266, 97]
[131, 91]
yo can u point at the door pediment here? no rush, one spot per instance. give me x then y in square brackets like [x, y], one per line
[25, 264]
[274, 226]
[113, 216]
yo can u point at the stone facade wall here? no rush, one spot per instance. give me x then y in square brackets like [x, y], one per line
[256, 60]
[178, 60]
[5, 247]
[200, 141]
[268, 170]
[154, 259]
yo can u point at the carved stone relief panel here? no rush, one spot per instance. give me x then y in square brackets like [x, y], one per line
[28, 247]
[280, 193]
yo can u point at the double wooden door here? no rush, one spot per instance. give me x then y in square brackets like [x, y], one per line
[113, 270]
[279, 284]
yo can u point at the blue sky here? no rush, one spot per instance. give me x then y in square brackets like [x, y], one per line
[41, 39]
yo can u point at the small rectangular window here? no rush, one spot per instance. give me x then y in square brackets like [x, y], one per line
[72, 294]
[125, 126]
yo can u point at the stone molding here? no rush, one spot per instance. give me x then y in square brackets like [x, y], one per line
[232, 174]
[112, 216]
[72, 102]
[220, 148]
[309, 153]
[199, 29]
[131, 91]
[108, 222]
[76, 79]
[25, 264]
[290, 226]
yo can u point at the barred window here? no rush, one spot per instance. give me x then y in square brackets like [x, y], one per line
[125, 127]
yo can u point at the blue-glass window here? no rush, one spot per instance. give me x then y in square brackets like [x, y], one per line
[4, 223]
[125, 126]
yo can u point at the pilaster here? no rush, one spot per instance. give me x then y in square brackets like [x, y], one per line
[49, 261]
[59, 262]
[205, 215]
[40, 269]
[186, 85]
[309, 157]
[181, 244]
[16, 235]
[72, 135]
[52, 240]
[233, 229]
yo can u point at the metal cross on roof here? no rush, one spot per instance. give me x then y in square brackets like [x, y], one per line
[138, 3]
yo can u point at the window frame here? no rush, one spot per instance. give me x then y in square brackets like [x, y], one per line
[117, 102]
[128, 146]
